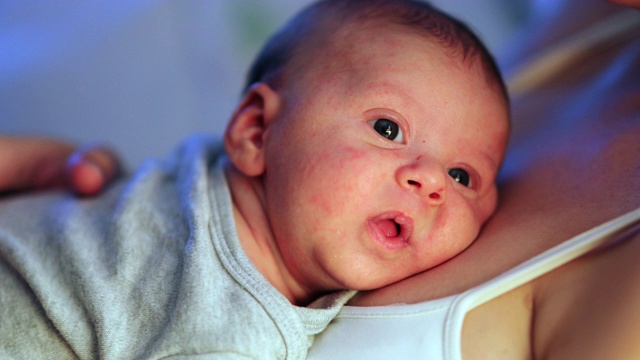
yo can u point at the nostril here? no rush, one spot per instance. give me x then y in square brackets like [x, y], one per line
[434, 196]
[414, 183]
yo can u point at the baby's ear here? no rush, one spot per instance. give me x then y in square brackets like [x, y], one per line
[244, 137]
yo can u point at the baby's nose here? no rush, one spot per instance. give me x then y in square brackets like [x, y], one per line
[426, 177]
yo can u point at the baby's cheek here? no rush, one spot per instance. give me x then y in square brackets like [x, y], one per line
[337, 180]
[355, 155]
[460, 226]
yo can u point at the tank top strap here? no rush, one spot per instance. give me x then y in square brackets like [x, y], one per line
[531, 269]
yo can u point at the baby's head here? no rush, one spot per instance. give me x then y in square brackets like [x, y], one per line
[316, 28]
[375, 130]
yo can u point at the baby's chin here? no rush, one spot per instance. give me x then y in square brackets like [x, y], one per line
[357, 283]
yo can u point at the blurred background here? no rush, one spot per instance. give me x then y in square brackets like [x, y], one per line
[141, 75]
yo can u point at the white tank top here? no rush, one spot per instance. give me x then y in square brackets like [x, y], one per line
[433, 329]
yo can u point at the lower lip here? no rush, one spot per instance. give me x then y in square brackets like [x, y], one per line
[389, 243]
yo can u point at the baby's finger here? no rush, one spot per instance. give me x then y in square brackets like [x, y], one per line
[91, 168]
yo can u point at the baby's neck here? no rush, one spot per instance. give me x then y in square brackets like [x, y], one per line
[257, 238]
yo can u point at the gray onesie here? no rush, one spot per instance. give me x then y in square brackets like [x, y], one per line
[151, 269]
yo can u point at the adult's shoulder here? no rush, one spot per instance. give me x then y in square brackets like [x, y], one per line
[590, 308]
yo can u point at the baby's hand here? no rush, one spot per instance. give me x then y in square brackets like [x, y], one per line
[30, 163]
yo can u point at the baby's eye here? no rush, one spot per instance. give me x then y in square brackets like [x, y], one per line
[460, 176]
[388, 128]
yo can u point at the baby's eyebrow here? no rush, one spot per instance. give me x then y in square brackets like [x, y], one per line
[393, 92]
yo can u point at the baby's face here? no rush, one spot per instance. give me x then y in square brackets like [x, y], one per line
[382, 162]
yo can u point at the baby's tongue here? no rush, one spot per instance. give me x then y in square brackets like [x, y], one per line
[388, 227]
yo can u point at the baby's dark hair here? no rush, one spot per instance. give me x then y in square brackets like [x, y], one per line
[323, 19]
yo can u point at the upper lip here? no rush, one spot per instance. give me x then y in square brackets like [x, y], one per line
[406, 226]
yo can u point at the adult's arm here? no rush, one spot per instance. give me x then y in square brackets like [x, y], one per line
[30, 163]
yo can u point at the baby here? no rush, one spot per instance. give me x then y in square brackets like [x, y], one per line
[364, 150]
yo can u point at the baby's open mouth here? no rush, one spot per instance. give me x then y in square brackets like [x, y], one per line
[392, 230]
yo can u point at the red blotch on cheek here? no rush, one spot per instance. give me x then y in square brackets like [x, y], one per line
[356, 155]
[331, 180]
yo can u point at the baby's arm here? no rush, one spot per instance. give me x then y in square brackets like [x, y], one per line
[29, 163]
